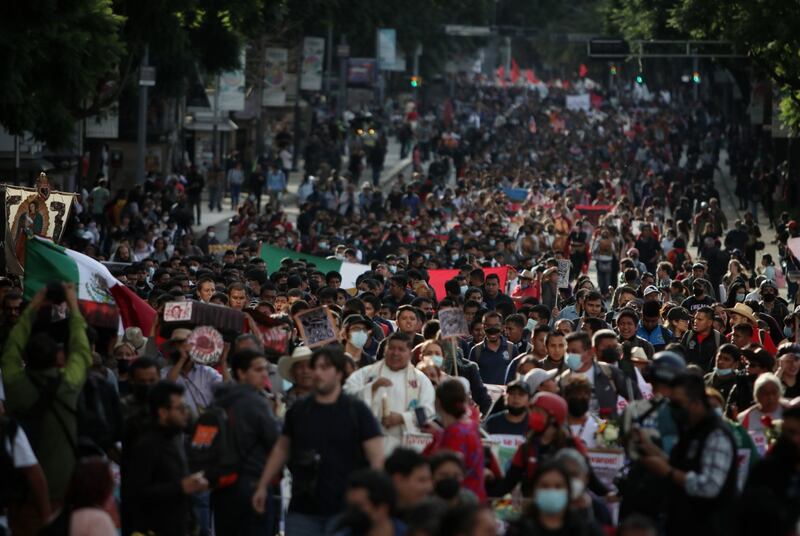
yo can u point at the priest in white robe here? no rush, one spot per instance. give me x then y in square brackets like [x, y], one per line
[393, 388]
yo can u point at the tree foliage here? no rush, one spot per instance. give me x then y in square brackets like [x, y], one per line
[64, 60]
[55, 56]
[764, 30]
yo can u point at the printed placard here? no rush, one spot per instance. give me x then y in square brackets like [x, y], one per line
[417, 440]
[178, 311]
[607, 463]
[316, 327]
[453, 323]
[205, 345]
[563, 273]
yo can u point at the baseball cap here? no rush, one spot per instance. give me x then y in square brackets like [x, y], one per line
[678, 313]
[651, 289]
[537, 377]
[519, 384]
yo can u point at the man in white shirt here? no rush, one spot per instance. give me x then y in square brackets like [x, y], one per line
[394, 389]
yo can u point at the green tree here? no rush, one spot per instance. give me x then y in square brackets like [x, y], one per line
[764, 31]
[66, 60]
[56, 56]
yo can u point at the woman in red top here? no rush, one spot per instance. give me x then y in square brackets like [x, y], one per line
[460, 434]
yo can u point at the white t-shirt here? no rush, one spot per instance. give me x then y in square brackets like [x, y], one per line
[22, 453]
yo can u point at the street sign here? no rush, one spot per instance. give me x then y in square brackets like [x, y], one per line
[342, 51]
[467, 31]
[608, 48]
[147, 76]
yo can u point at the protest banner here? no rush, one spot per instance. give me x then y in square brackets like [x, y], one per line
[505, 446]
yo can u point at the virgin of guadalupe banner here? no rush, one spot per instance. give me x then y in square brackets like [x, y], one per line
[31, 212]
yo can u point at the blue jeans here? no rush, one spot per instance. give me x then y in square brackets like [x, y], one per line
[307, 525]
[201, 502]
[236, 189]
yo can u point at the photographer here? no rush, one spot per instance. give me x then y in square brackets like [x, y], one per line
[198, 380]
[43, 391]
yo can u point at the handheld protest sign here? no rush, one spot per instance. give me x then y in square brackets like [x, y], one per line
[316, 326]
[178, 311]
[452, 323]
[564, 266]
[205, 344]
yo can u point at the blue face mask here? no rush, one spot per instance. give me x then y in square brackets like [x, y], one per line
[551, 501]
[723, 371]
[788, 332]
[463, 289]
[531, 325]
[574, 361]
[437, 360]
[358, 338]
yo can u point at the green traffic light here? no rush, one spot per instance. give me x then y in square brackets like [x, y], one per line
[696, 77]
[639, 79]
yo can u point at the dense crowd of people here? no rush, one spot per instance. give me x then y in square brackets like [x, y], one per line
[617, 356]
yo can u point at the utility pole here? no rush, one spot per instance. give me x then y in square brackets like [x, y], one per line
[342, 52]
[328, 62]
[296, 140]
[260, 98]
[147, 79]
[417, 54]
[215, 148]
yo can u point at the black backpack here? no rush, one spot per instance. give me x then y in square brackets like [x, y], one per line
[213, 448]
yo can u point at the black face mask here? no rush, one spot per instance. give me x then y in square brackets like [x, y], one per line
[769, 297]
[679, 414]
[609, 355]
[577, 407]
[447, 488]
[516, 411]
[356, 520]
[492, 331]
[697, 292]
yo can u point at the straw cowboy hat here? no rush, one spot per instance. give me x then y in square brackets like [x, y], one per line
[285, 363]
[745, 311]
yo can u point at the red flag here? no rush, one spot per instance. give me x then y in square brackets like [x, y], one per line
[514, 71]
[583, 70]
[501, 75]
[133, 310]
[437, 278]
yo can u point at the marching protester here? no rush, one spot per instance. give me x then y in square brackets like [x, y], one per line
[519, 317]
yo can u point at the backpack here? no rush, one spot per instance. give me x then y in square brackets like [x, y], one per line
[213, 449]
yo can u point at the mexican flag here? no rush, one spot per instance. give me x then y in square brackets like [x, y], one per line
[349, 270]
[104, 300]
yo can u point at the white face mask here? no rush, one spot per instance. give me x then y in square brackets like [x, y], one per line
[212, 234]
[358, 338]
[463, 289]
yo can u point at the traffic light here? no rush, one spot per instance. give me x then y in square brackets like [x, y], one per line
[416, 81]
[613, 69]
[696, 77]
[640, 79]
